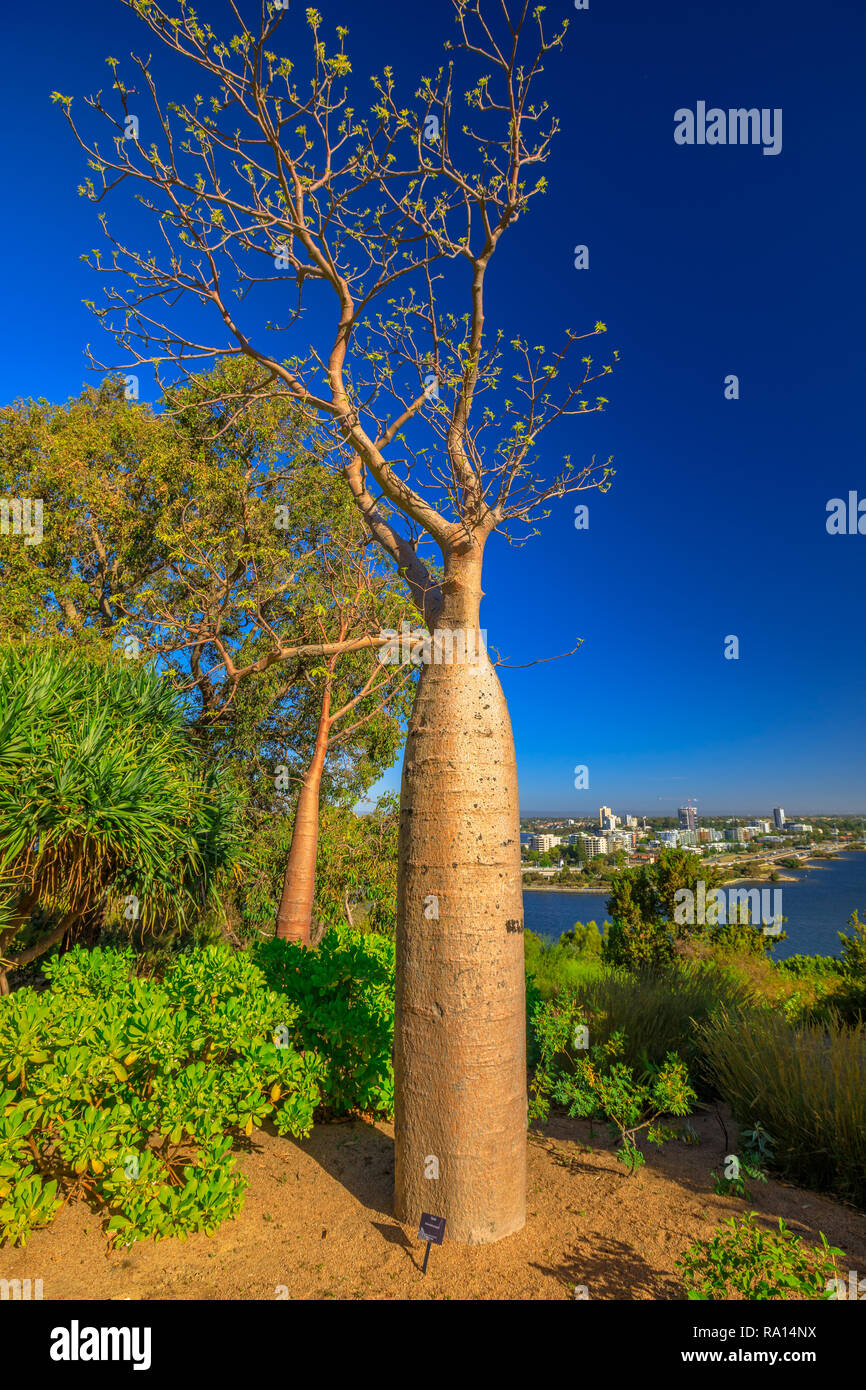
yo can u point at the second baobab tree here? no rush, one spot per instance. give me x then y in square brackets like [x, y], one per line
[269, 605]
[349, 256]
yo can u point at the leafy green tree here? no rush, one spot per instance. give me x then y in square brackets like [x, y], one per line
[99, 464]
[854, 949]
[276, 597]
[642, 904]
[217, 544]
[584, 938]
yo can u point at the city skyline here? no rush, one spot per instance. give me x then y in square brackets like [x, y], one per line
[757, 813]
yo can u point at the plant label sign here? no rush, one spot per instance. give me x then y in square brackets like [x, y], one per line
[432, 1230]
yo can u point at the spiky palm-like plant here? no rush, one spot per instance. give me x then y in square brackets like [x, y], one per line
[101, 799]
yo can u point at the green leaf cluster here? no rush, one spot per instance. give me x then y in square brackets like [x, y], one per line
[344, 994]
[595, 1082]
[131, 1093]
[742, 1261]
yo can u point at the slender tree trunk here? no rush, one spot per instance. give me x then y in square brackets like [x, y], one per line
[460, 1042]
[38, 948]
[21, 916]
[299, 885]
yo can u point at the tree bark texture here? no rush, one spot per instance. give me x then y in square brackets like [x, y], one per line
[460, 1038]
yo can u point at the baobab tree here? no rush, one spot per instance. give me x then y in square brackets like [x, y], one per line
[386, 225]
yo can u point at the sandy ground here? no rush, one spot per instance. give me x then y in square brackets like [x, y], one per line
[316, 1224]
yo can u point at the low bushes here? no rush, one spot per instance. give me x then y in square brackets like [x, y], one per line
[655, 1009]
[741, 1261]
[131, 1093]
[343, 994]
[805, 1084]
[591, 1078]
[557, 966]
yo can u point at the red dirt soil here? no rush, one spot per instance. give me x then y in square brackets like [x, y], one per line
[316, 1224]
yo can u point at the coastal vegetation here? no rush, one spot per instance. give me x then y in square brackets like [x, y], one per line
[130, 1085]
[153, 1022]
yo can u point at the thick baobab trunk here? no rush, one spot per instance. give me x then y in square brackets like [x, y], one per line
[299, 885]
[460, 1046]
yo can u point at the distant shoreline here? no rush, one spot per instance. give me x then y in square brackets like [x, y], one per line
[607, 887]
[560, 888]
[820, 863]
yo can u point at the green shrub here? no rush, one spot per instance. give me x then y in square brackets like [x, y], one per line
[805, 1083]
[343, 993]
[533, 999]
[744, 1262]
[591, 1079]
[555, 967]
[818, 966]
[131, 1092]
[850, 998]
[638, 945]
[585, 939]
[847, 1004]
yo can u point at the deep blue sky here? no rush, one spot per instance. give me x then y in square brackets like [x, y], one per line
[703, 262]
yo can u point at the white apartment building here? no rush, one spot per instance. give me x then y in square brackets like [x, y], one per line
[542, 843]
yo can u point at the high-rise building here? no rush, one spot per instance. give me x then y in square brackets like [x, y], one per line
[606, 818]
[779, 817]
[688, 817]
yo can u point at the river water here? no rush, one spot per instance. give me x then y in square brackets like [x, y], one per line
[817, 906]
